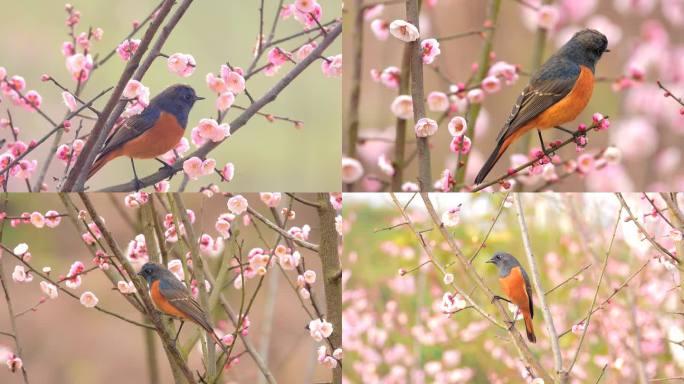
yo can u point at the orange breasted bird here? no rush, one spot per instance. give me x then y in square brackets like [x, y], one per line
[516, 286]
[172, 298]
[557, 93]
[153, 132]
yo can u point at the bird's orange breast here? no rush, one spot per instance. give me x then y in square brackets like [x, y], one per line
[161, 138]
[162, 304]
[569, 107]
[513, 286]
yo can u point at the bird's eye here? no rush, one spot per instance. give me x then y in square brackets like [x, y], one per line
[188, 97]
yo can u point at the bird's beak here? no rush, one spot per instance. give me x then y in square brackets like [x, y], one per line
[607, 50]
[198, 98]
[139, 273]
[490, 261]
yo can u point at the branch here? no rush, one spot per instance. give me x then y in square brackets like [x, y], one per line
[669, 94]
[598, 286]
[642, 230]
[281, 231]
[536, 282]
[418, 96]
[332, 273]
[239, 122]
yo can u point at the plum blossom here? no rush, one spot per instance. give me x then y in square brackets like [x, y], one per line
[404, 31]
[385, 166]
[460, 144]
[50, 290]
[69, 101]
[352, 170]
[210, 129]
[320, 329]
[125, 287]
[225, 101]
[457, 126]
[20, 275]
[452, 303]
[430, 50]
[547, 16]
[237, 204]
[88, 299]
[181, 64]
[127, 48]
[451, 217]
[437, 101]
[332, 66]
[380, 29]
[195, 167]
[271, 199]
[228, 172]
[425, 127]
[402, 107]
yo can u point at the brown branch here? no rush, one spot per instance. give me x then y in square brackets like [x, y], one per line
[418, 96]
[669, 94]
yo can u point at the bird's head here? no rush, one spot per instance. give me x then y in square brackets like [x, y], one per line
[178, 100]
[589, 44]
[503, 261]
[151, 271]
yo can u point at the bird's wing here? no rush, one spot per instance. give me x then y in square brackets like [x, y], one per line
[133, 127]
[528, 290]
[554, 80]
[175, 292]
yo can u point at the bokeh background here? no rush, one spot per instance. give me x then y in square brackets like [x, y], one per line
[65, 342]
[267, 156]
[394, 327]
[648, 128]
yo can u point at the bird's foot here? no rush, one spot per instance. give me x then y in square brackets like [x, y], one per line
[497, 297]
[511, 324]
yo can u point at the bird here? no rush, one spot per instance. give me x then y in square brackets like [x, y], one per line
[557, 93]
[153, 132]
[516, 286]
[172, 298]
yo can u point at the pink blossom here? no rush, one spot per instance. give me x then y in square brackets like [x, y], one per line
[88, 299]
[52, 219]
[127, 48]
[491, 84]
[24, 169]
[385, 166]
[308, 19]
[271, 199]
[547, 16]
[310, 277]
[228, 172]
[402, 107]
[438, 101]
[33, 100]
[223, 224]
[235, 82]
[380, 29]
[79, 66]
[457, 126]
[305, 5]
[390, 77]
[195, 167]
[352, 170]
[452, 303]
[210, 129]
[585, 163]
[445, 182]
[216, 84]
[237, 204]
[430, 50]
[476, 96]
[69, 101]
[162, 186]
[404, 31]
[460, 144]
[50, 290]
[20, 275]
[181, 64]
[136, 199]
[21, 249]
[3, 73]
[305, 50]
[320, 329]
[451, 217]
[135, 89]
[448, 278]
[373, 11]
[332, 67]
[410, 186]
[278, 57]
[14, 363]
[425, 127]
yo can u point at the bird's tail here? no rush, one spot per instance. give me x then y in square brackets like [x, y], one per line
[529, 328]
[489, 164]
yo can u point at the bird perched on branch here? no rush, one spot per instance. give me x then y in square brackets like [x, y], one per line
[153, 132]
[516, 286]
[171, 297]
[557, 93]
